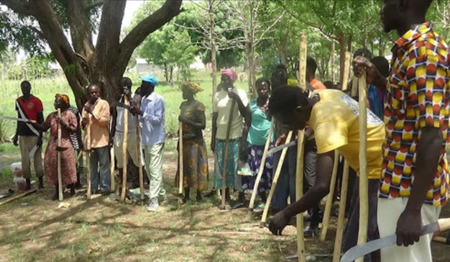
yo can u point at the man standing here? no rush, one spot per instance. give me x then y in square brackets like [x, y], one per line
[27, 137]
[96, 116]
[414, 171]
[152, 116]
[117, 130]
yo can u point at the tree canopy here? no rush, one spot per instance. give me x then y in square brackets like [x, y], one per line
[67, 28]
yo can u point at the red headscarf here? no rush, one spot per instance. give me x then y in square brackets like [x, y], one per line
[230, 72]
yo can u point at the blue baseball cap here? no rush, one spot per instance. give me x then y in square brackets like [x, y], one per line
[150, 79]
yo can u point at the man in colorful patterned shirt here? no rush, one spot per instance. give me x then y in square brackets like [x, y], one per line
[414, 170]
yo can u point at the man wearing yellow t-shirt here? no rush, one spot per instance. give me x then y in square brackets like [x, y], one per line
[333, 116]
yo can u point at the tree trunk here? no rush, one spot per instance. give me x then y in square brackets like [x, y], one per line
[212, 41]
[81, 61]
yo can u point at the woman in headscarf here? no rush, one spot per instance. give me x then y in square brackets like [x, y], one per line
[68, 123]
[237, 140]
[195, 159]
[257, 135]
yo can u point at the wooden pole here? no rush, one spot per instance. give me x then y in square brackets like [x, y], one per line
[18, 196]
[299, 193]
[261, 167]
[344, 184]
[363, 177]
[112, 168]
[341, 216]
[124, 150]
[300, 152]
[88, 158]
[274, 182]
[180, 158]
[329, 203]
[225, 158]
[139, 155]
[60, 185]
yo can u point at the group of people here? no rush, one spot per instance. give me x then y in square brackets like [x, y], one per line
[406, 160]
[100, 135]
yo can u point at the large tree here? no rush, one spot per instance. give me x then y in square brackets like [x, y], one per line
[83, 61]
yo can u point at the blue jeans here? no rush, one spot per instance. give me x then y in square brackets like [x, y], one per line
[286, 181]
[100, 156]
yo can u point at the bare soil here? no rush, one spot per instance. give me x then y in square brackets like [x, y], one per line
[33, 228]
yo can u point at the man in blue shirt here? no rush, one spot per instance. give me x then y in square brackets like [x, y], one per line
[151, 114]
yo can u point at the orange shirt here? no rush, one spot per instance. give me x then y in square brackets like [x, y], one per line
[316, 84]
[99, 123]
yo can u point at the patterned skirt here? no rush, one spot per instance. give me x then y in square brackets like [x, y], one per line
[195, 165]
[232, 179]
[254, 160]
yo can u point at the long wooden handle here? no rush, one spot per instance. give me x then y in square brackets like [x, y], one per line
[180, 158]
[88, 159]
[139, 154]
[60, 186]
[329, 203]
[299, 194]
[341, 216]
[124, 150]
[225, 158]
[363, 176]
[261, 167]
[274, 182]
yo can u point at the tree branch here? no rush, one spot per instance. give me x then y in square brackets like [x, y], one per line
[20, 7]
[169, 10]
[93, 5]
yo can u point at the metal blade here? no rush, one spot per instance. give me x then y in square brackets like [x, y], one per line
[278, 148]
[14, 118]
[366, 248]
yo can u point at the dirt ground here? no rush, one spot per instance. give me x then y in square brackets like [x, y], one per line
[34, 228]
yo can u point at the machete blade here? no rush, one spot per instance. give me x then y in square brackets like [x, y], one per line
[366, 248]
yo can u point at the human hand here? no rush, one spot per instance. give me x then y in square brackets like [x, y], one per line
[87, 108]
[232, 94]
[84, 122]
[280, 140]
[361, 64]
[409, 228]
[278, 223]
[15, 139]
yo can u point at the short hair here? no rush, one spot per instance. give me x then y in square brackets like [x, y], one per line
[25, 83]
[125, 81]
[382, 64]
[363, 52]
[262, 80]
[285, 99]
[279, 78]
[329, 85]
[311, 65]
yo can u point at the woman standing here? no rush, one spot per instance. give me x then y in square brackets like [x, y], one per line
[195, 159]
[68, 122]
[257, 135]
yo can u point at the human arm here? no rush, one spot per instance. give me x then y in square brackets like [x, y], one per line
[155, 113]
[409, 224]
[100, 113]
[324, 168]
[215, 115]
[199, 119]
[373, 76]
[243, 146]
